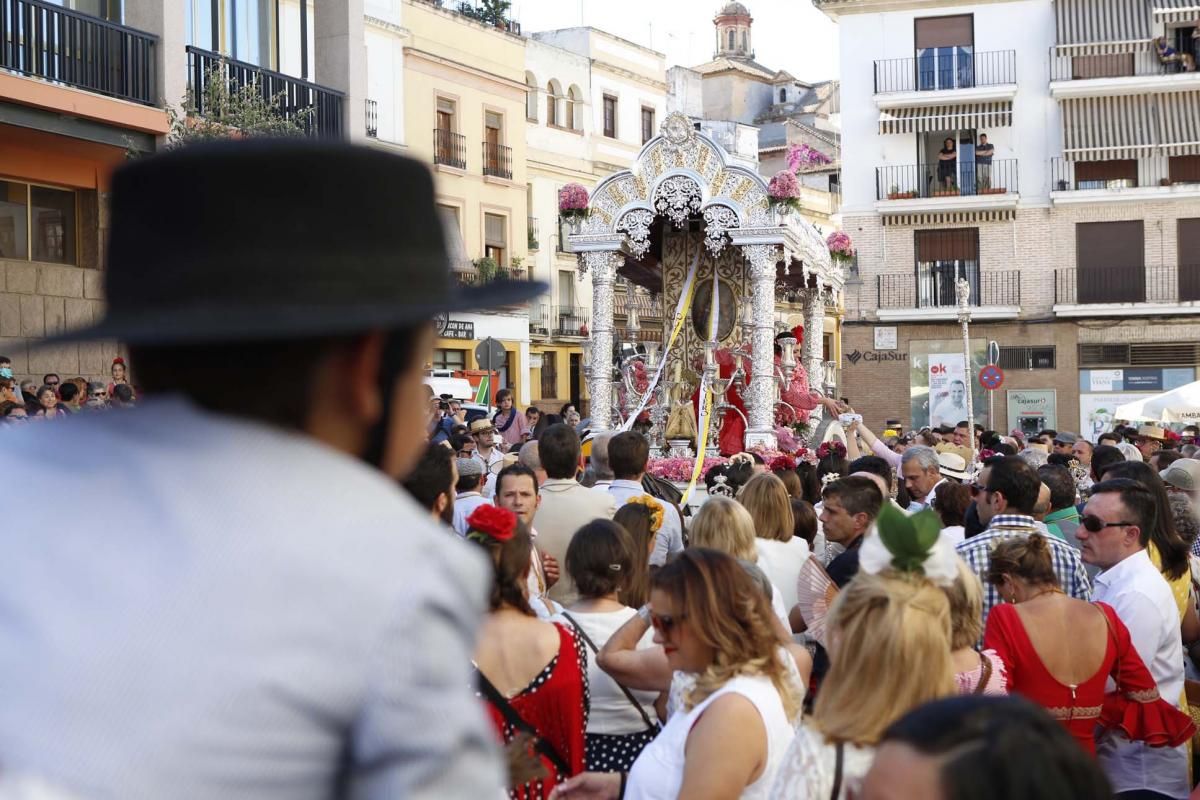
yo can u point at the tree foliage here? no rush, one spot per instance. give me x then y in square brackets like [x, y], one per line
[489, 12]
[225, 108]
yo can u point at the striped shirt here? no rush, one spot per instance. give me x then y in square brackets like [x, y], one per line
[977, 552]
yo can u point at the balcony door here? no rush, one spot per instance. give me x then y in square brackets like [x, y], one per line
[102, 9]
[943, 257]
[945, 50]
[950, 177]
[1109, 262]
[277, 35]
[1189, 259]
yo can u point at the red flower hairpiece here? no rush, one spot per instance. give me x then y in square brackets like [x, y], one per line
[784, 463]
[834, 448]
[118, 360]
[492, 522]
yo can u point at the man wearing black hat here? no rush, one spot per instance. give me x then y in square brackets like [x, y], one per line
[260, 612]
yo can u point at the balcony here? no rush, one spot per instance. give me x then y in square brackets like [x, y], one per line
[372, 119]
[1123, 181]
[449, 149]
[969, 77]
[967, 186]
[1131, 290]
[77, 50]
[929, 294]
[1099, 70]
[473, 275]
[497, 161]
[294, 96]
[550, 321]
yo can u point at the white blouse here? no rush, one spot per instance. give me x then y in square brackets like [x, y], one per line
[658, 772]
[809, 768]
[782, 561]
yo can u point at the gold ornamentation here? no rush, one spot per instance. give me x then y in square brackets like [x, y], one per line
[1143, 696]
[1075, 712]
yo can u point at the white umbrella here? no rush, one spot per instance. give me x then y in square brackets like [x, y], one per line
[1177, 405]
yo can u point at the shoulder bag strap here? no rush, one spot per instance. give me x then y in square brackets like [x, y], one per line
[650, 724]
[837, 771]
[518, 723]
[985, 665]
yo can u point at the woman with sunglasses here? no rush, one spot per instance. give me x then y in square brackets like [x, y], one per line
[714, 624]
[1060, 652]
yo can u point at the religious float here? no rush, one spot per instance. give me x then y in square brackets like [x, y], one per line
[717, 247]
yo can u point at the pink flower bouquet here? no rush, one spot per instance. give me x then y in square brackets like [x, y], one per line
[572, 201]
[801, 157]
[840, 246]
[784, 190]
[679, 470]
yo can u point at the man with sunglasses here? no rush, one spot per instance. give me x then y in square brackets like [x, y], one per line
[1114, 532]
[1006, 506]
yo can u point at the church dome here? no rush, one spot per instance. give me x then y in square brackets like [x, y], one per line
[733, 9]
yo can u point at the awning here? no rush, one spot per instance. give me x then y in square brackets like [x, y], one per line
[978, 116]
[949, 217]
[1106, 128]
[1179, 114]
[1176, 10]
[1083, 21]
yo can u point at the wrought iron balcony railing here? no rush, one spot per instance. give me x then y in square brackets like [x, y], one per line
[497, 160]
[1127, 284]
[933, 286]
[75, 49]
[963, 71]
[449, 148]
[372, 119]
[295, 96]
[954, 179]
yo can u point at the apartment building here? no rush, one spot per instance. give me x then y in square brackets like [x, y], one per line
[592, 100]
[1042, 152]
[464, 111]
[82, 82]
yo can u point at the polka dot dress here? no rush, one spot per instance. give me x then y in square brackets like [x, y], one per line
[616, 753]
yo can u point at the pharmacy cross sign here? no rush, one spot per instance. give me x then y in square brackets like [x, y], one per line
[991, 377]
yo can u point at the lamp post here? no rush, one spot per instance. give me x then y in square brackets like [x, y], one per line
[962, 290]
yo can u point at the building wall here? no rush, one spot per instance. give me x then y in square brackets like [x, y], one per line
[734, 96]
[385, 37]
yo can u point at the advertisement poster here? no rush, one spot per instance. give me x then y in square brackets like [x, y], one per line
[1032, 410]
[1096, 411]
[947, 389]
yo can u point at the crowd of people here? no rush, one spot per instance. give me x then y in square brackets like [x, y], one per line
[53, 397]
[325, 588]
[820, 606]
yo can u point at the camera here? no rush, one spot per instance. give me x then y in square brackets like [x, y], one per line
[849, 419]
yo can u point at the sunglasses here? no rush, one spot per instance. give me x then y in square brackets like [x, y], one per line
[1095, 524]
[976, 489]
[665, 623]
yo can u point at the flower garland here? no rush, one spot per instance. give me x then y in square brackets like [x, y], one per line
[489, 523]
[653, 505]
[832, 448]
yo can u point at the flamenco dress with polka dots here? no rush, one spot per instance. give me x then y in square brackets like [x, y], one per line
[555, 704]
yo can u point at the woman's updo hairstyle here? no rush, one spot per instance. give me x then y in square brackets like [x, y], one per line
[1024, 557]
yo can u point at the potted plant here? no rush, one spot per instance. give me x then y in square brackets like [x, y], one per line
[486, 268]
[573, 205]
[1062, 184]
[1164, 181]
[841, 249]
[783, 193]
[946, 191]
[893, 192]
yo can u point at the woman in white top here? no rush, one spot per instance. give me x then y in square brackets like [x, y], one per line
[621, 722]
[889, 651]
[725, 525]
[712, 621]
[780, 554]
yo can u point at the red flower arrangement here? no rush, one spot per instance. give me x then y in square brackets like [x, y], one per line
[833, 448]
[492, 522]
[783, 463]
[1172, 436]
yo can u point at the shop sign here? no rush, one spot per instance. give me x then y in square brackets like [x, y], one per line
[459, 329]
[535, 360]
[885, 338]
[1032, 410]
[1143, 380]
[1105, 380]
[874, 356]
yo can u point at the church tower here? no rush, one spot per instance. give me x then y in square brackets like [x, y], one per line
[733, 32]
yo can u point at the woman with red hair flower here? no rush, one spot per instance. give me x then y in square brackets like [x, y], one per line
[532, 674]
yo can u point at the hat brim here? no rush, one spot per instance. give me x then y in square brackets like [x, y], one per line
[950, 473]
[215, 324]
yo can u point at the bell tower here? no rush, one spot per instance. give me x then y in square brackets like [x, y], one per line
[733, 23]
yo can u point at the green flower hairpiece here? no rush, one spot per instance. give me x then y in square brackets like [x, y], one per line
[910, 540]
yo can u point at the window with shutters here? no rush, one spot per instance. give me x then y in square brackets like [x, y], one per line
[1109, 262]
[452, 230]
[610, 116]
[1184, 169]
[1118, 174]
[495, 237]
[1188, 244]
[549, 375]
[943, 257]
[1042, 357]
[945, 52]
[647, 124]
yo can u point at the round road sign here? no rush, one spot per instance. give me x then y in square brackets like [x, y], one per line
[991, 377]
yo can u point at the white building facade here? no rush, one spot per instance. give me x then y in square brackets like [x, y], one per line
[1076, 223]
[385, 35]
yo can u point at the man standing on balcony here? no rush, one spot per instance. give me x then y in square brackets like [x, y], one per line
[983, 162]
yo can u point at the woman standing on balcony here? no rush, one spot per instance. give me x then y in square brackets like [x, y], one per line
[947, 163]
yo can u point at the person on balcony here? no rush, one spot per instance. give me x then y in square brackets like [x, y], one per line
[947, 164]
[983, 162]
[1169, 55]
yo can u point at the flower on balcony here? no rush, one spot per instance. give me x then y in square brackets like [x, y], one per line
[784, 190]
[840, 246]
[801, 157]
[572, 201]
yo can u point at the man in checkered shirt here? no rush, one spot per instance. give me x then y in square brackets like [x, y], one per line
[1009, 490]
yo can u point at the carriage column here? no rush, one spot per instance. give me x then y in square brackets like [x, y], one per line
[760, 394]
[814, 338]
[602, 267]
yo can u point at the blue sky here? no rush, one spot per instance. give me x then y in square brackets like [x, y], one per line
[788, 34]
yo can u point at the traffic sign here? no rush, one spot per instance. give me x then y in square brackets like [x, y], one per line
[490, 354]
[991, 377]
